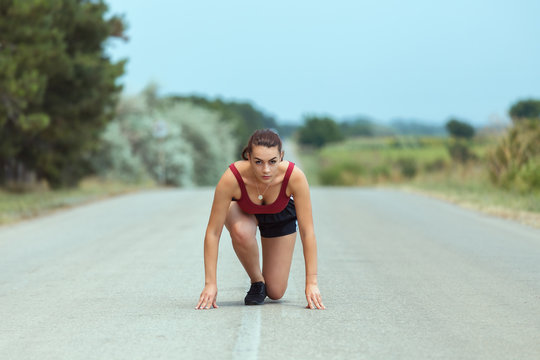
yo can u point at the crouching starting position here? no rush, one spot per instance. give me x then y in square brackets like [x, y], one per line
[262, 191]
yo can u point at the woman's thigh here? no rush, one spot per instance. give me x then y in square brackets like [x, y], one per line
[241, 226]
[277, 259]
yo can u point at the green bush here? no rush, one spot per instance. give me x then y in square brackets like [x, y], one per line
[515, 162]
[408, 167]
[343, 173]
[115, 160]
[460, 151]
[381, 172]
[435, 165]
[177, 144]
[528, 177]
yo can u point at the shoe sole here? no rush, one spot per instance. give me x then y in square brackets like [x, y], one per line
[253, 302]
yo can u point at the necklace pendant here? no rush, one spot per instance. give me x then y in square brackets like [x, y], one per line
[260, 197]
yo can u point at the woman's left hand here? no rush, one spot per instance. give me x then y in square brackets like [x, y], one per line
[313, 296]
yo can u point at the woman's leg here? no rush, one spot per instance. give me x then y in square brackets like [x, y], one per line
[277, 259]
[243, 228]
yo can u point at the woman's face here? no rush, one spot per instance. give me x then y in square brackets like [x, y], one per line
[265, 160]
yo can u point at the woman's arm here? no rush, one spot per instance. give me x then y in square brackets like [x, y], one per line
[302, 202]
[222, 200]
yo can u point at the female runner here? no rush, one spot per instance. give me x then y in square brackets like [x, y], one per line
[265, 191]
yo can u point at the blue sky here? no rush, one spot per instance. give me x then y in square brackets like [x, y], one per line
[424, 60]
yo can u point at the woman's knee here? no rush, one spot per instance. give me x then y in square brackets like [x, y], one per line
[275, 292]
[242, 234]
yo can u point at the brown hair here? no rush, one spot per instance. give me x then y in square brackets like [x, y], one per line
[262, 137]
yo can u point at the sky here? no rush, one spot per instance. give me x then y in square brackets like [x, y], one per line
[425, 60]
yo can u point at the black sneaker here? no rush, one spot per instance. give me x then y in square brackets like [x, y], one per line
[256, 294]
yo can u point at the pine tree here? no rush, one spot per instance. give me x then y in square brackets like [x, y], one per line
[57, 86]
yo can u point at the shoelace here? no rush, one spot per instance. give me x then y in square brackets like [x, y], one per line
[256, 288]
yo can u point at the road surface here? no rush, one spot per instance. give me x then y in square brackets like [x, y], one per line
[402, 276]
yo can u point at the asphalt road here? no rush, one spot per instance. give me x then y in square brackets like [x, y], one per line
[402, 276]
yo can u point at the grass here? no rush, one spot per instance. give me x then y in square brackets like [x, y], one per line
[310, 166]
[16, 206]
[360, 161]
[479, 194]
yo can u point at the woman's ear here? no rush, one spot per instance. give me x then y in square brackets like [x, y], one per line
[282, 153]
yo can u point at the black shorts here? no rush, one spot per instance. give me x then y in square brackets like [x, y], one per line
[280, 224]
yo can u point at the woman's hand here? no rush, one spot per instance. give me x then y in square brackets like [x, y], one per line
[208, 297]
[313, 296]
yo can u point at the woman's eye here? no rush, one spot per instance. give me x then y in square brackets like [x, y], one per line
[273, 162]
[258, 162]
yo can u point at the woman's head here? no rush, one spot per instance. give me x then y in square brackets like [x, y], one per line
[263, 137]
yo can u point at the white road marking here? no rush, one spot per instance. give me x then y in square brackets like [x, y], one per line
[249, 334]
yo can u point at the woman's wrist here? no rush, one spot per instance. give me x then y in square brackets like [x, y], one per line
[311, 279]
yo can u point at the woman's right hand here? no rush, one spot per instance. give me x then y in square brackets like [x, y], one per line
[208, 297]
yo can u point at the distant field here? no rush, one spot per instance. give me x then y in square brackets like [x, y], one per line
[367, 161]
[421, 165]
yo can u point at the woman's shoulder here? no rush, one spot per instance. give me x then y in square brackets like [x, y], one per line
[229, 178]
[296, 169]
[240, 165]
[297, 176]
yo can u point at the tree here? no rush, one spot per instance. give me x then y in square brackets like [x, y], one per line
[244, 117]
[178, 144]
[57, 86]
[459, 129]
[459, 147]
[358, 127]
[525, 109]
[318, 131]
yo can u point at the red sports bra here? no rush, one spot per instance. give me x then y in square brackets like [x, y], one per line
[250, 207]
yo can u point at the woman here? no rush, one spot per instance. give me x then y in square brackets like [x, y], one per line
[264, 191]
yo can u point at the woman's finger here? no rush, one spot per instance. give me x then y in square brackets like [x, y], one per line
[319, 299]
[211, 302]
[202, 304]
[316, 302]
[201, 299]
[310, 302]
[205, 303]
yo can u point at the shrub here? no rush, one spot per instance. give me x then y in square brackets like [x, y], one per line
[528, 177]
[515, 162]
[407, 167]
[180, 144]
[435, 165]
[344, 173]
[381, 172]
[115, 160]
[213, 144]
[460, 151]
